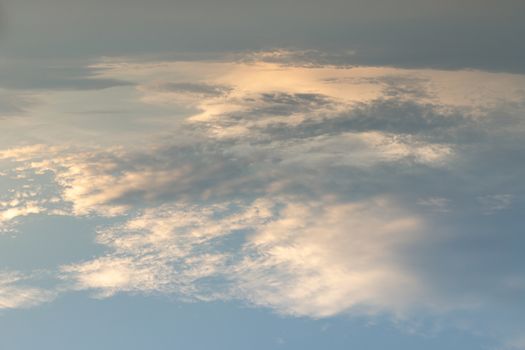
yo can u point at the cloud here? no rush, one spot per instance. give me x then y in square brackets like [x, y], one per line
[319, 259]
[405, 33]
[439, 204]
[166, 250]
[497, 202]
[13, 104]
[295, 255]
[13, 212]
[40, 75]
[112, 181]
[184, 91]
[313, 190]
[14, 294]
[258, 126]
[342, 257]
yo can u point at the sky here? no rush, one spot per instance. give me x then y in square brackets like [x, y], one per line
[230, 174]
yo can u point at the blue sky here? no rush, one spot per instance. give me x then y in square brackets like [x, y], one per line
[288, 175]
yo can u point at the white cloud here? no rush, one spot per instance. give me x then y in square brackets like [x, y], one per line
[304, 258]
[166, 249]
[322, 258]
[28, 208]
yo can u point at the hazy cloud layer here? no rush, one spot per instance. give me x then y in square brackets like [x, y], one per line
[407, 33]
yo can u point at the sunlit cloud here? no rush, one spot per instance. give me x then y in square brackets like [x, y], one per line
[312, 189]
[167, 249]
[345, 256]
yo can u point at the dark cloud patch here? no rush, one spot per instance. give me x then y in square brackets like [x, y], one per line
[388, 115]
[283, 104]
[394, 86]
[408, 87]
[116, 179]
[403, 33]
[487, 43]
[46, 75]
[483, 171]
[325, 116]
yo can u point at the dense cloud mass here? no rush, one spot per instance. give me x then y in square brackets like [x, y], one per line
[313, 189]
[403, 33]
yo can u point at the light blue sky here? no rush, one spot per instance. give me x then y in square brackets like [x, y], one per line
[288, 175]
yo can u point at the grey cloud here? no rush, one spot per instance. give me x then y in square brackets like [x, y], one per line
[111, 182]
[408, 87]
[389, 115]
[325, 116]
[282, 104]
[12, 104]
[205, 90]
[496, 202]
[403, 33]
[52, 75]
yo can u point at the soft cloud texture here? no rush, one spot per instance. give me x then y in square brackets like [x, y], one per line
[343, 257]
[14, 294]
[406, 33]
[311, 189]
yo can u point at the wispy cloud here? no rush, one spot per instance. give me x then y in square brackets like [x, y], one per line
[14, 293]
[314, 259]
